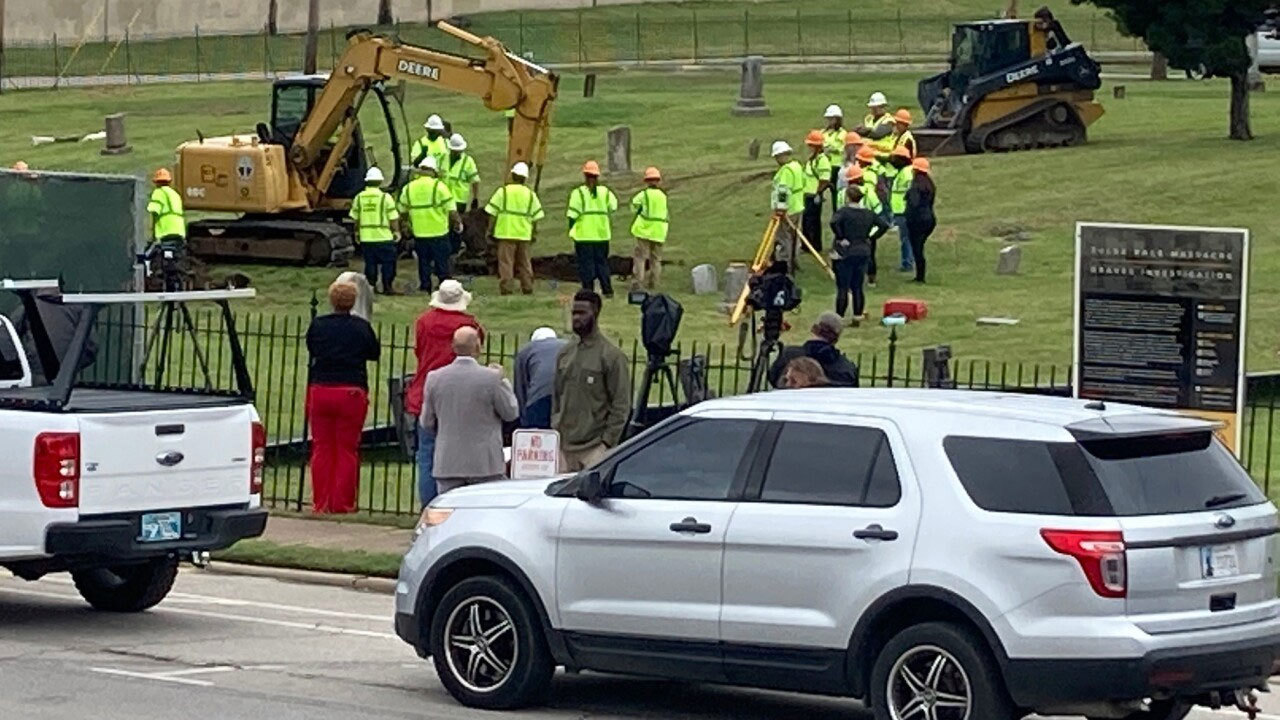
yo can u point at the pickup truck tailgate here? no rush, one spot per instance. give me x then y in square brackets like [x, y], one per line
[165, 460]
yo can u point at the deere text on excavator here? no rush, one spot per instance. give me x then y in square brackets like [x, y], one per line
[291, 182]
[1011, 85]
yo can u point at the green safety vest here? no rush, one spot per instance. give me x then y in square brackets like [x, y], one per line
[590, 213]
[833, 144]
[427, 201]
[165, 206]
[459, 176]
[789, 182]
[516, 208]
[906, 138]
[652, 220]
[870, 199]
[425, 146]
[884, 144]
[373, 210]
[816, 170]
[898, 195]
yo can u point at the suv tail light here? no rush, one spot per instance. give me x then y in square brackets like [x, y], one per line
[1100, 554]
[258, 459]
[56, 469]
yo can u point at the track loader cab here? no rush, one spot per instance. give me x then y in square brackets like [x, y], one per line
[1011, 85]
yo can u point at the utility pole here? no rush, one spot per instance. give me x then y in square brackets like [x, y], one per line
[313, 32]
[273, 12]
[385, 16]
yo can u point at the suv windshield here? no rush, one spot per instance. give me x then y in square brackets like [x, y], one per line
[1148, 475]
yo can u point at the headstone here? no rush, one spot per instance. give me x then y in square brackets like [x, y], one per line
[618, 152]
[1118, 92]
[751, 95]
[735, 278]
[753, 150]
[1009, 260]
[589, 86]
[364, 294]
[704, 279]
[116, 143]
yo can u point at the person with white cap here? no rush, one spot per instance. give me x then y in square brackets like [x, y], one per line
[463, 178]
[787, 200]
[514, 211]
[433, 143]
[376, 216]
[590, 212]
[833, 142]
[536, 378]
[877, 127]
[428, 205]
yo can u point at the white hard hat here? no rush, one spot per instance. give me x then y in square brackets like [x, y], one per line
[374, 175]
[520, 169]
[434, 123]
[543, 333]
[429, 163]
[877, 99]
[833, 111]
[457, 142]
[779, 147]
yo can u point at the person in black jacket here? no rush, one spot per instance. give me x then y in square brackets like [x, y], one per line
[840, 371]
[920, 218]
[856, 230]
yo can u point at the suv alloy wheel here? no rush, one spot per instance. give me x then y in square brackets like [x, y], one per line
[487, 645]
[937, 671]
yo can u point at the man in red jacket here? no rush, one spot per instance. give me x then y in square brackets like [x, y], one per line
[433, 344]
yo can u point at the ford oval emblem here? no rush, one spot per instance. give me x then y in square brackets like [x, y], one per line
[169, 458]
[1224, 521]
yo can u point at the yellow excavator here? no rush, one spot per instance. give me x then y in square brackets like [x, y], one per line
[292, 181]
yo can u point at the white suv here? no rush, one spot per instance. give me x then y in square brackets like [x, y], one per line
[939, 554]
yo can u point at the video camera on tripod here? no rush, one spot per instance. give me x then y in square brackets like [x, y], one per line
[772, 292]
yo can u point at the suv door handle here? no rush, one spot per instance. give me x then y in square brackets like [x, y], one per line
[691, 525]
[875, 532]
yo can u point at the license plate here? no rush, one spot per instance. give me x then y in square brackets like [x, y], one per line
[159, 527]
[1217, 561]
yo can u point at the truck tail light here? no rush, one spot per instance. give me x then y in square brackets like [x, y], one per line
[56, 469]
[1101, 555]
[258, 459]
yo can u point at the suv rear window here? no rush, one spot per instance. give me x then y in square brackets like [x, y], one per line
[1154, 475]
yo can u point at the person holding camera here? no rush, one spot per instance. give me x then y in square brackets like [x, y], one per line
[856, 229]
[840, 371]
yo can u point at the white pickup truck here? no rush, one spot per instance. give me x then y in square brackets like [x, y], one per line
[118, 482]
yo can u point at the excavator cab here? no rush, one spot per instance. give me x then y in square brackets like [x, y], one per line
[1012, 85]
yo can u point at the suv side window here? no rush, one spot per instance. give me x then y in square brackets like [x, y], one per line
[699, 461]
[825, 464]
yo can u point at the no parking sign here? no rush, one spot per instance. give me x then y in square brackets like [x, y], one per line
[535, 454]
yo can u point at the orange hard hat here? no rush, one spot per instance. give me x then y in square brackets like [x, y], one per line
[921, 165]
[902, 151]
[651, 173]
[853, 138]
[162, 176]
[21, 166]
[813, 138]
[853, 175]
[866, 154]
[591, 167]
[903, 116]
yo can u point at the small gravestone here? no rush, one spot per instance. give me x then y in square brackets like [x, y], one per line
[735, 278]
[589, 86]
[1009, 260]
[751, 94]
[753, 150]
[364, 294]
[1118, 92]
[704, 279]
[618, 152]
[116, 143]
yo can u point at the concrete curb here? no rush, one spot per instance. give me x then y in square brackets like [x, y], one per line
[383, 586]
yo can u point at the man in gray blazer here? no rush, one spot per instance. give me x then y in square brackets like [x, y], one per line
[466, 404]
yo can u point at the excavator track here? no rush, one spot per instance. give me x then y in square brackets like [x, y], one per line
[1048, 124]
[267, 239]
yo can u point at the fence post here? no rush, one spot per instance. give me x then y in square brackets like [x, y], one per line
[695, 36]
[746, 31]
[57, 73]
[799, 40]
[197, 53]
[521, 22]
[128, 59]
[333, 43]
[639, 49]
[902, 45]
[849, 25]
[579, 38]
[1093, 32]
[266, 54]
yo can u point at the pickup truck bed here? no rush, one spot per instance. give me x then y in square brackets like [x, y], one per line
[100, 400]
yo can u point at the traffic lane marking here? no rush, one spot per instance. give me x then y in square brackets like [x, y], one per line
[151, 676]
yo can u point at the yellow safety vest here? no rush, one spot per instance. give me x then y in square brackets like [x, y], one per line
[590, 213]
[652, 219]
[833, 144]
[424, 146]
[460, 176]
[816, 170]
[884, 144]
[906, 138]
[373, 210]
[788, 184]
[165, 206]
[516, 208]
[898, 195]
[427, 201]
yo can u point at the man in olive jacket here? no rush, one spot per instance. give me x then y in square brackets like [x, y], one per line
[592, 396]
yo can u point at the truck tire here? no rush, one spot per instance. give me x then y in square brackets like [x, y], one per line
[127, 588]
[938, 670]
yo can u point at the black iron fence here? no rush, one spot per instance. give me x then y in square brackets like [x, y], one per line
[275, 350]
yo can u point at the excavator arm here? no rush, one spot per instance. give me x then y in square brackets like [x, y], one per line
[503, 80]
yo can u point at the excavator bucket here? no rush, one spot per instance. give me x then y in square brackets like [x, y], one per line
[934, 142]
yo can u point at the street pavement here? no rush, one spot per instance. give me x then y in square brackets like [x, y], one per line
[253, 648]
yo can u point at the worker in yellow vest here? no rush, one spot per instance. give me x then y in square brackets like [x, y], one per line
[786, 200]
[590, 213]
[169, 228]
[833, 141]
[429, 207]
[514, 211]
[903, 174]
[902, 136]
[650, 231]
[375, 215]
[817, 177]
[433, 143]
[463, 179]
[877, 126]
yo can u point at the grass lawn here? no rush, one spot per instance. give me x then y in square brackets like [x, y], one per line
[306, 557]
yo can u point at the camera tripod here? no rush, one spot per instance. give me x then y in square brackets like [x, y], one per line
[764, 257]
[770, 345]
[656, 370]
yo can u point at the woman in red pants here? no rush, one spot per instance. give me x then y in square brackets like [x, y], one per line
[337, 399]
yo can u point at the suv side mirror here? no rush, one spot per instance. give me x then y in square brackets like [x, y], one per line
[590, 487]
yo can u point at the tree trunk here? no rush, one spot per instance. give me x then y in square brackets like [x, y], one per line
[313, 37]
[1240, 107]
[1159, 67]
[384, 13]
[273, 12]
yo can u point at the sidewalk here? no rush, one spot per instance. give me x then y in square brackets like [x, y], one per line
[335, 535]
